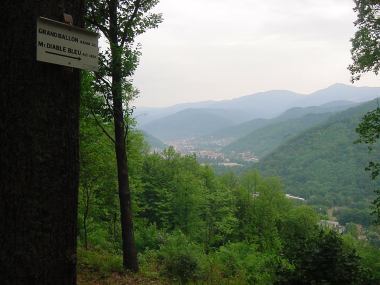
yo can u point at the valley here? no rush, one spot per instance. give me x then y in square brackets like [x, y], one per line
[234, 134]
[310, 147]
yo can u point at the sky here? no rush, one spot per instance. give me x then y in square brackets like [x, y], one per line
[223, 49]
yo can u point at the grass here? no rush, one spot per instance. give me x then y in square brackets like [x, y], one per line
[96, 267]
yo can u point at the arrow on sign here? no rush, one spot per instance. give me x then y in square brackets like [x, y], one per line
[63, 55]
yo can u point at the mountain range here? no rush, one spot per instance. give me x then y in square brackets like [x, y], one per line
[191, 120]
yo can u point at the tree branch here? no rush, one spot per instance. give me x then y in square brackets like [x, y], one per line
[103, 129]
[124, 37]
[126, 131]
[108, 104]
[105, 81]
[95, 23]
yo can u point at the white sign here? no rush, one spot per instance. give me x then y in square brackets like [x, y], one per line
[66, 45]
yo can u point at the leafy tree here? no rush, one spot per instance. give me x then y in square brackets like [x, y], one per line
[97, 187]
[173, 192]
[180, 258]
[326, 259]
[268, 209]
[218, 211]
[120, 21]
[245, 260]
[366, 58]
[369, 133]
[366, 42]
[296, 228]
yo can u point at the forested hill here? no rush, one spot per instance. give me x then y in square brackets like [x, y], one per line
[153, 142]
[323, 164]
[191, 123]
[241, 130]
[264, 140]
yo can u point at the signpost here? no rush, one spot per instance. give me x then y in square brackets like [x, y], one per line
[66, 45]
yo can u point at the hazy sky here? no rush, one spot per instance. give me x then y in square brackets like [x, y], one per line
[222, 49]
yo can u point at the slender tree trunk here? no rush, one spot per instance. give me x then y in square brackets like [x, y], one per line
[129, 248]
[115, 236]
[85, 215]
[39, 164]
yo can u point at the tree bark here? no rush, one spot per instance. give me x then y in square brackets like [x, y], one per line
[39, 164]
[85, 214]
[130, 261]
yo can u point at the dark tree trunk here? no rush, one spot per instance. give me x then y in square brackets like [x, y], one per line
[129, 248]
[85, 214]
[39, 165]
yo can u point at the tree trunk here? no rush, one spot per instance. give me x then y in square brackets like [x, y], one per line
[85, 214]
[129, 248]
[39, 164]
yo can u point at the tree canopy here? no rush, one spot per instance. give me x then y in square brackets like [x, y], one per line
[366, 41]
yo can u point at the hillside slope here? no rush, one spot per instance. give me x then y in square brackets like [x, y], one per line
[153, 142]
[265, 140]
[241, 130]
[323, 164]
[190, 123]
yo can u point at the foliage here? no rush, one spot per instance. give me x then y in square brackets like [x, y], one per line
[247, 262]
[325, 259]
[264, 140]
[98, 212]
[366, 58]
[323, 165]
[133, 18]
[100, 260]
[180, 258]
[366, 42]
[120, 22]
[357, 216]
[194, 226]
[369, 133]
[148, 237]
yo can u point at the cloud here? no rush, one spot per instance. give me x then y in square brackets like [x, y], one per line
[219, 49]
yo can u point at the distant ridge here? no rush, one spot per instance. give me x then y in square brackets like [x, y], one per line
[266, 139]
[193, 119]
[244, 129]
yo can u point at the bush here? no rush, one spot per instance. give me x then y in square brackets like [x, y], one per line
[148, 237]
[244, 262]
[181, 259]
[100, 261]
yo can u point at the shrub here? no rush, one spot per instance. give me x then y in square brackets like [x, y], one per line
[100, 261]
[181, 259]
[243, 261]
[148, 237]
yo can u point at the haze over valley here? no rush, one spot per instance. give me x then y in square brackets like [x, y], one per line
[246, 129]
[306, 140]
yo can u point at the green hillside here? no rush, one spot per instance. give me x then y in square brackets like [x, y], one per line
[237, 131]
[331, 107]
[153, 142]
[323, 164]
[266, 139]
[191, 123]
[241, 130]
